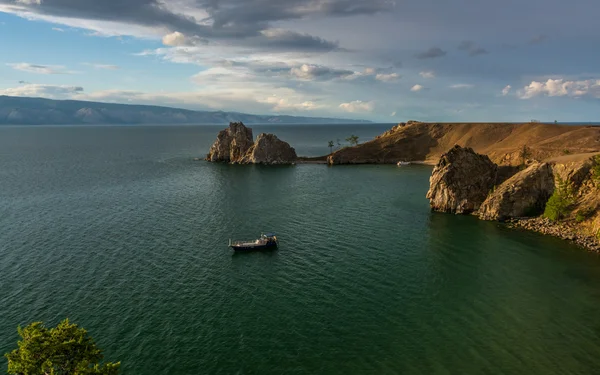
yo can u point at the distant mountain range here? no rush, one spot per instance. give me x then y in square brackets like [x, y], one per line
[38, 111]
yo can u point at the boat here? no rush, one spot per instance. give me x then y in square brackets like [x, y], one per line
[267, 241]
[403, 163]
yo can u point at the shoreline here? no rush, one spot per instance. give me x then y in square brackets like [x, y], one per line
[563, 230]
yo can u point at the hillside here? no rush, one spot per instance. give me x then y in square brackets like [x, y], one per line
[38, 111]
[502, 142]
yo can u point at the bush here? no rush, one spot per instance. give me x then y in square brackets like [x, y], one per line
[566, 152]
[583, 215]
[560, 202]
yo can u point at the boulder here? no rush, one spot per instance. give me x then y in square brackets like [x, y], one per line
[231, 144]
[268, 149]
[461, 181]
[524, 194]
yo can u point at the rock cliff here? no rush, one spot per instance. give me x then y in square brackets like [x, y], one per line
[231, 144]
[268, 149]
[461, 181]
[235, 145]
[465, 182]
[524, 194]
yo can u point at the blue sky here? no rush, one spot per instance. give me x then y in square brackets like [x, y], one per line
[381, 60]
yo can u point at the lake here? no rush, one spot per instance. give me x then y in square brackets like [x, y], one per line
[120, 230]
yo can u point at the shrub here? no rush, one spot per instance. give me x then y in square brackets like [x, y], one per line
[559, 203]
[596, 170]
[583, 215]
[566, 152]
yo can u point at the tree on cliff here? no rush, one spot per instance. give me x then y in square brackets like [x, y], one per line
[330, 145]
[524, 154]
[353, 139]
[64, 350]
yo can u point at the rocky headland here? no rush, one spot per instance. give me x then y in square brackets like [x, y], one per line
[559, 196]
[235, 145]
[503, 143]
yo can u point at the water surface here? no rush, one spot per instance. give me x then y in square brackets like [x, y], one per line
[120, 230]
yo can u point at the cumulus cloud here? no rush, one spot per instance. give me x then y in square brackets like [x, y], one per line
[39, 69]
[560, 87]
[44, 91]
[392, 77]
[431, 53]
[427, 74]
[506, 90]
[358, 106]
[462, 86]
[174, 39]
[471, 48]
[416, 88]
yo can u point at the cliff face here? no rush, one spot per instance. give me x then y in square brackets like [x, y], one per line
[235, 145]
[524, 194]
[461, 181]
[269, 149]
[502, 142]
[231, 144]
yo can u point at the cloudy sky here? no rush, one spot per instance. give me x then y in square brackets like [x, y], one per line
[381, 60]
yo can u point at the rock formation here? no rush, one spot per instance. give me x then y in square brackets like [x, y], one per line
[524, 194]
[461, 181]
[235, 145]
[268, 149]
[231, 144]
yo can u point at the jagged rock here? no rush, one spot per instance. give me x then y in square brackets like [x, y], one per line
[461, 181]
[231, 144]
[524, 194]
[269, 149]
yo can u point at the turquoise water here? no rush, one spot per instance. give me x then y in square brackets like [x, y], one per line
[120, 230]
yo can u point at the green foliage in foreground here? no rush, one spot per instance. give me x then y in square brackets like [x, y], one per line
[64, 350]
[559, 203]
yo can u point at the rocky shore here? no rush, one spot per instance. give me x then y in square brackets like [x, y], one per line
[565, 230]
[465, 182]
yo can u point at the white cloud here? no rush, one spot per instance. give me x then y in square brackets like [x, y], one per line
[40, 69]
[358, 106]
[103, 66]
[370, 71]
[29, 2]
[393, 77]
[283, 104]
[427, 74]
[416, 88]
[175, 39]
[45, 91]
[393, 114]
[560, 87]
[311, 72]
[462, 86]
[58, 29]
[506, 90]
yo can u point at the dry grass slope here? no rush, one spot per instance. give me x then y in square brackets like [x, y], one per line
[502, 142]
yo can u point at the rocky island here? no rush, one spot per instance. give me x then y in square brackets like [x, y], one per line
[235, 145]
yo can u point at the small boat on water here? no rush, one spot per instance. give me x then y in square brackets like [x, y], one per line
[266, 241]
[400, 163]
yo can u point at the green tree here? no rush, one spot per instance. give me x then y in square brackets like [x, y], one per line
[330, 145]
[64, 350]
[561, 200]
[353, 139]
[524, 154]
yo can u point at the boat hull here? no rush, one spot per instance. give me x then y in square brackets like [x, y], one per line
[254, 248]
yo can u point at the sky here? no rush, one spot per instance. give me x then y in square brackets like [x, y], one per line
[380, 60]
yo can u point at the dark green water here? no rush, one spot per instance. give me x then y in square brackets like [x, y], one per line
[120, 230]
